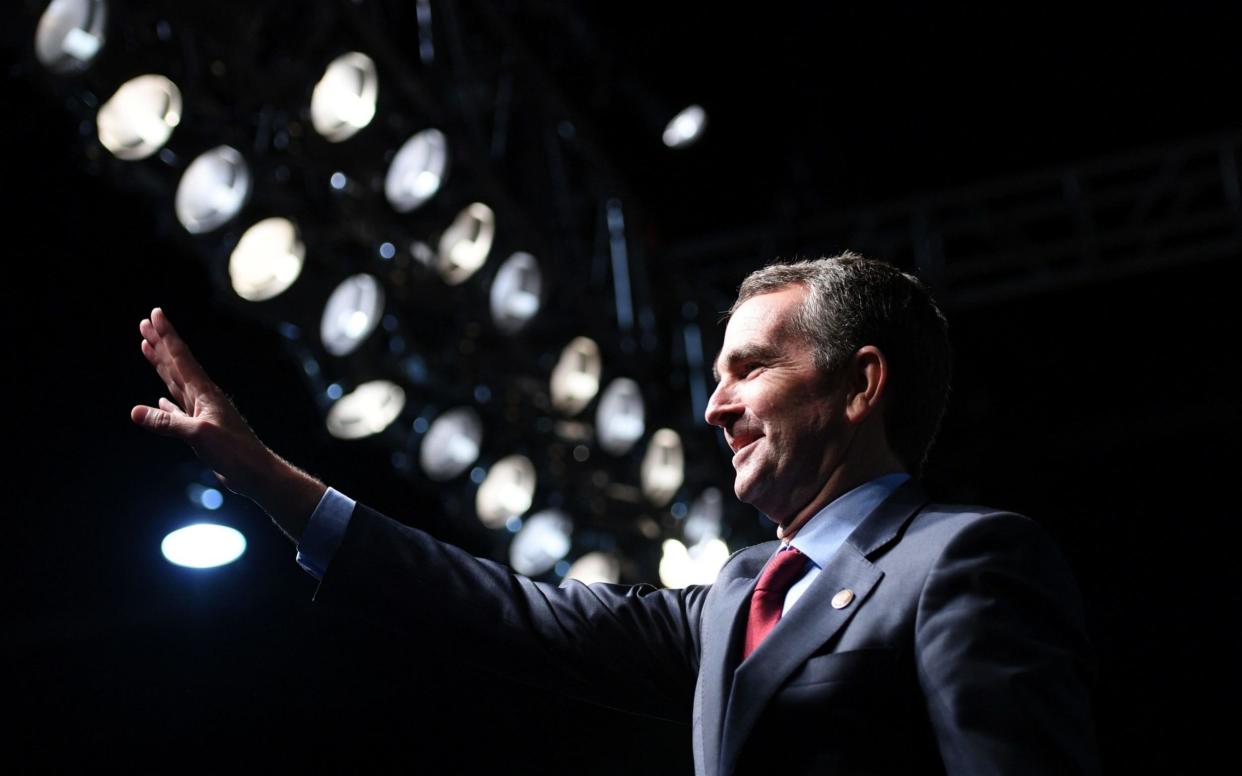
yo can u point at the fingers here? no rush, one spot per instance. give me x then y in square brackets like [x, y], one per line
[169, 407]
[166, 370]
[161, 422]
[182, 358]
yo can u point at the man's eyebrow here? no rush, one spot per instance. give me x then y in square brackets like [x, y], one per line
[750, 352]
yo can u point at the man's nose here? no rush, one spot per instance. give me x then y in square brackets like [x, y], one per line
[722, 407]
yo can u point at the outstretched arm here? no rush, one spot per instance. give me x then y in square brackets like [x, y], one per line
[200, 415]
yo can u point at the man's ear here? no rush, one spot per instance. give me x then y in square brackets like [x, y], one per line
[866, 384]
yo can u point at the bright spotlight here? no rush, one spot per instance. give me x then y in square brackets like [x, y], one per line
[575, 378]
[267, 259]
[542, 541]
[595, 567]
[203, 546]
[212, 190]
[343, 101]
[368, 409]
[452, 444]
[698, 565]
[351, 314]
[515, 294]
[619, 419]
[506, 492]
[686, 127]
[464, 246]
[704, 521]
[70, 34]
[139, 118]
[663, 467]
[417, 171]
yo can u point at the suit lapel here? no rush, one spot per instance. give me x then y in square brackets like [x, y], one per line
[722, 641]
[809, 625]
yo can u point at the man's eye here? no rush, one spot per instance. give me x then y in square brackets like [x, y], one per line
[751, 369]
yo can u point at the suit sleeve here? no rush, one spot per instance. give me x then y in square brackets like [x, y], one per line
[631, 648]
[1002, 654]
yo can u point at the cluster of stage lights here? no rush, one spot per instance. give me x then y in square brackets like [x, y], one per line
[139, 119]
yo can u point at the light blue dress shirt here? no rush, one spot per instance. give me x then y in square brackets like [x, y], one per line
[819, 539]
[824, 533]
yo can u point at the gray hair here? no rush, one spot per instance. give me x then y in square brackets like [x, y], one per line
[852, 301]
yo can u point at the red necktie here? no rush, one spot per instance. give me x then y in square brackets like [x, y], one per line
[769, 598]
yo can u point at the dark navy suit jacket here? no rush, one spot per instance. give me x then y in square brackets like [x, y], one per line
[962, 648]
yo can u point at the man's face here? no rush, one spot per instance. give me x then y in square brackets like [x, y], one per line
[782, 419]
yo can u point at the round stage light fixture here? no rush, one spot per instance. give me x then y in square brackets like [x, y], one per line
[698, 565]
[368, 409]
[541, 542]
[343, 101]
[203, 546]
[575, 378]
[686, 127]
[452, 444]
[465, 245]
[212, 190]
[267, 259]
[619, 419]
[663, 467]
[353, 311]
[506, 492]
[516, 292]
[705, 517]
[138, 119]
[70, 34]
[595, 567]
[417, 171]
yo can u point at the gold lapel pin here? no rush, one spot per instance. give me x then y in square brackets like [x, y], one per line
[842, 599]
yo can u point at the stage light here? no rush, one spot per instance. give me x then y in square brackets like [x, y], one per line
[343, 101]
[417, 171]
[465, 245]
[452, 444]
[506, 492]
[595, 567]
[698, 565]
[139, 118]
[686, 127]
[516, 292]
[351, 314]
[368, 409]
[619, 419]
[212, 190]
[663, 467]
[703, 522]
[542, 541]
[267, 259]
[69, 35]
[575, 378]
[203, 545]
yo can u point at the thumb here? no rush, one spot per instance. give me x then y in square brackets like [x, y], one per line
[159, 421]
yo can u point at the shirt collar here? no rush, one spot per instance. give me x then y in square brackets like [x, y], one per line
[824, 533]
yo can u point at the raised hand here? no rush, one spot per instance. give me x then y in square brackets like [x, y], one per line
[200, 415]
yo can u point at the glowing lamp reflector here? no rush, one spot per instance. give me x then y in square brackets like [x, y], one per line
[203, 546]
[351, 314]
[70, 34]
[575, 378]
[663, 467]
[465, 245]
[212, 190]
[368, 409]
[343, 101]
[506, 492]
[686, 127]
[139, 118]
[542, 541]
[267, 259]
[619, 420]
[595, 567]
[417, 171]
[516, 292]
[452, 444]
[698, 565]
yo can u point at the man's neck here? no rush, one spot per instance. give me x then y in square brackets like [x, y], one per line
[840, 483]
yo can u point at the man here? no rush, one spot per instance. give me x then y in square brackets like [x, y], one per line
[881, 634]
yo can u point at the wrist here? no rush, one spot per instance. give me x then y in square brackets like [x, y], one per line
[288, 495]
